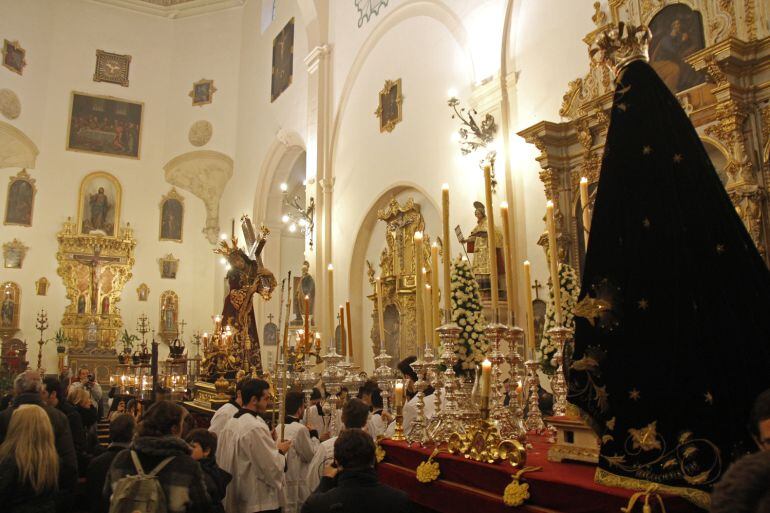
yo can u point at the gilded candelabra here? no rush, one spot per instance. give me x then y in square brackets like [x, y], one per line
[41, 326]
[534, 420]
[515, 337]
[560, 335]
[383, 373]
[447, 418]
[398, 434]
[332, 379]
[418, 431]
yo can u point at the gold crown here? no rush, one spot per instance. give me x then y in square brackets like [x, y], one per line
[620, 45]
[225, 249]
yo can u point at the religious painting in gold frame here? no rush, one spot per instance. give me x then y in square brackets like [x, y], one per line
[169, 265]
[9, 308]
[14, 56]
[99, 204]
[41, 286]
[13, 254]
[171, 216]
[20, 202]
[283, 61]
[677, 32]
[168, 322]
[142, 292]
[105, 125]
[112, 68]
[389, 108]
[202, 92]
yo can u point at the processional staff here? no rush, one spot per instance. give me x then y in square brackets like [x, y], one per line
[282, 405]
[278, 348]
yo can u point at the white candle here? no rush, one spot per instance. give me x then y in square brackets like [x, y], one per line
[447, 253]
[486, 370]
[507, 259]
[399, 397]
[435, 309]
[380, 313]
[418, 260]
[553, 250]
[330, 300]
[584, 205]
[531, 343]
[491, 239]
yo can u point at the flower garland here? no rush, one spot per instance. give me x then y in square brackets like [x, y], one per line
[570, 290]
[467, 313]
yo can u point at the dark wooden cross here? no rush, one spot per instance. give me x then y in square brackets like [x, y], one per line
[182, 324]
[94, 261]
[537, 286]
[270, 317]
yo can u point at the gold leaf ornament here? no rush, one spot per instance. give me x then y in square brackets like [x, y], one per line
[379, 453]
[428, 471]
[516, 493]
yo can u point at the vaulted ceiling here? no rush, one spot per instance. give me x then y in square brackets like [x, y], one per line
[173, 8]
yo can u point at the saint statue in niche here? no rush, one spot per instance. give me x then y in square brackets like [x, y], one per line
[304, 286]
[392, 322]
[106, 305]
[8, 310]
[478, 244]
[99, 205]
[169, 315]
[81, 304]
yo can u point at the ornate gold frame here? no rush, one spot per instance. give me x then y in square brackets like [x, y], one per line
[104, 59]
[209, 98]
[45, 283]
[111, 98]
[168, 258]
[168, 336]
[118, 199]
[6, 333]
[172, 194]
[390, 125]
[22, 176]
[15, 244]
[17, 46]
[142, 288]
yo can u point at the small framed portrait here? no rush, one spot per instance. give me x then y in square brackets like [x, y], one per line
[168, 267]
[13, 254]
[112, 68]
[143, 292]
[171, 216]
[13, 56]
[21, 199]
[202, 92]
[389, 106]
[283, 61]
[41, 286]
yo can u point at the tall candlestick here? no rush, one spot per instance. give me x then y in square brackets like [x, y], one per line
[330, 299]
[584, 205]
[398, 399]
[418, 259]
[553, 250]
[380, 313]
[486, 370]
[531, 343]
[447, 253]
[491, 240]
[507, 259]
[349, 332]
[436, 309]
[426, 302]
[343, 338]
[306, 338]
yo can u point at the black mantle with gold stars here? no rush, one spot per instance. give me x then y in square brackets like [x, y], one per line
[667, 370]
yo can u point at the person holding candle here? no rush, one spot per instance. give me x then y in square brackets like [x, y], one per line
[478, 244]
[410, 408]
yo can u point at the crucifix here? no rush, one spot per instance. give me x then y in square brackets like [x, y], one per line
[537, 286]
[182, 324]
[270, 317]
[94, 261]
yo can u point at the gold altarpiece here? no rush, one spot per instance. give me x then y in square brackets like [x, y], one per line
[94, 268]
[729, 109]
[399, 282]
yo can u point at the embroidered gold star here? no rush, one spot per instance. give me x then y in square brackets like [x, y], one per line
[634, 395]
[678, 158]
[720, 249]
[709, 398]
[646, 223]
[642, 304]
[645, 438]
[646, 150]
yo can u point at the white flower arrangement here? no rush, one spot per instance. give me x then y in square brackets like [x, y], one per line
[467, 313]
[570, 290]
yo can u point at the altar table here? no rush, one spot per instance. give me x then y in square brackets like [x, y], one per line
[466, 486]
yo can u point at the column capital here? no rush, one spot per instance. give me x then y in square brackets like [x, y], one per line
[327, 184]
[314, 57]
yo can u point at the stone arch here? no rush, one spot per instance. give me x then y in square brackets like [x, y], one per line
[16, 148]
[358, 261]
[281, 155]
[433, 9]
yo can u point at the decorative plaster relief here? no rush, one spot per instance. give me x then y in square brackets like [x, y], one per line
[204, 173]
[16, 149]
[10, 105]
[200, 133]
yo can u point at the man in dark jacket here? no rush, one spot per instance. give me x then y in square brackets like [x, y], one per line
[54, 394]
[121, 433]
[27, 390]
[353, 486]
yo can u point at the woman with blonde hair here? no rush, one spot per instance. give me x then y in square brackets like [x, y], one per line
[29, 464]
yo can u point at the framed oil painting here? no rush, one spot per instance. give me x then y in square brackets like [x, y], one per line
[677, 32]
[21, 199]
[9, 307]
[112, 68]
[143, 292]
[41, 286]
[270, 334]
[169, 315]
[13, 254]
[13, 56]
[99, 205]
[283, 61]
[389, 107]
[171, 216]
[202, 92]
[105, 125]
[168, 267]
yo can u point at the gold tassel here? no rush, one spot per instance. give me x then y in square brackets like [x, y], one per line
[646, 508]
[428, 471]
[516, 492]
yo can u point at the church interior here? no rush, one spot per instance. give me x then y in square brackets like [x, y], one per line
[197, 192]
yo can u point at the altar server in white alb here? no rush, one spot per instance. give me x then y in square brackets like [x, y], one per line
[410, 410]
[315, 415]
[248, 451]
[227, 411]
[304, 444]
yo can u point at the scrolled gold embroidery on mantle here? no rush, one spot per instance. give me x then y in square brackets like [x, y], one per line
[698, 497]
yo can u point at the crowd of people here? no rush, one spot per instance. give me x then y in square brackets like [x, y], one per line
[159, 460]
